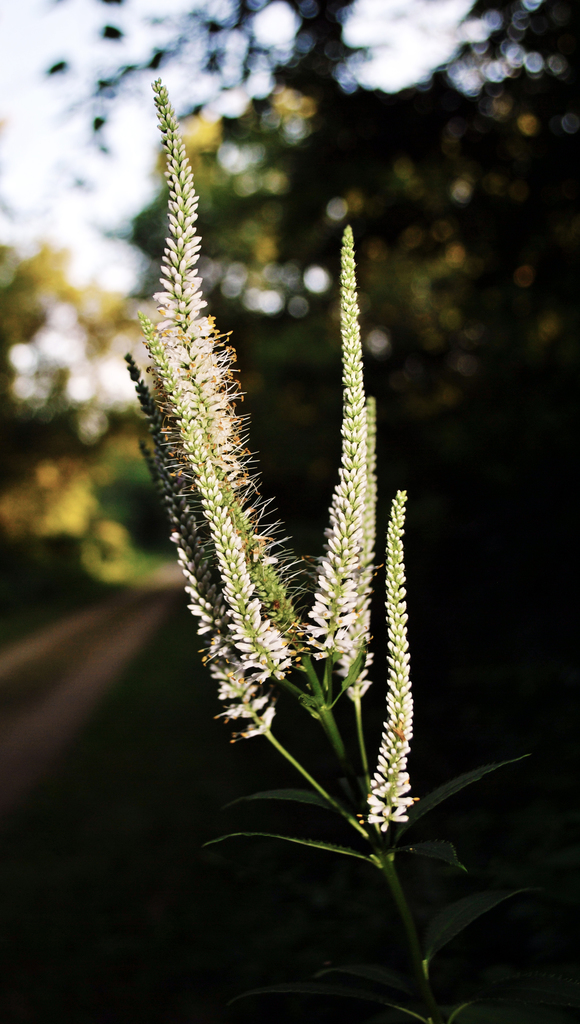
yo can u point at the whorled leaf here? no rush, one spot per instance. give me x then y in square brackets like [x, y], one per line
[454, 918]
[318, 844]
[534, 988]
[427, 803]
[353, 674]
[372, 972]
[311, 988]
[301, 796]
[496, 1013]
[438, 849]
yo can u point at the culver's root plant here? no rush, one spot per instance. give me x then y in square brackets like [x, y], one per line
[242, 586]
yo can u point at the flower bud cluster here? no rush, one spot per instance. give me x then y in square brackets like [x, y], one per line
[388, 799]
[336, 606]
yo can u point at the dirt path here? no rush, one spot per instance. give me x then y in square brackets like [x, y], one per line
[97, 644]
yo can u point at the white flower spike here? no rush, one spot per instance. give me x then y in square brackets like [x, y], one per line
[361, 628]
[336, 604]
[193, 369]
[390, 786]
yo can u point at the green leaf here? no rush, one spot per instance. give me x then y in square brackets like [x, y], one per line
[454, 918]
[387, 1017]
[301, 796]
[372, 972]
[439, 849]
[353, 674]
[427, 803]
[311, 988]
[534, 988]
[495, 1013]
[346, 850]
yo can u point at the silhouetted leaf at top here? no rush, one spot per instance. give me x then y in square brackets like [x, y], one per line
[156, 59]
[110, 32]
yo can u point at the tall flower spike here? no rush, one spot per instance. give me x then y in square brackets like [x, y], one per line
[388, 799]
[193, 368]
[370, 512]
[182, 299]
[361, 628]
[338, 580]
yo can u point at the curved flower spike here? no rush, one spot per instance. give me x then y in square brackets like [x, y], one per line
[193, 370]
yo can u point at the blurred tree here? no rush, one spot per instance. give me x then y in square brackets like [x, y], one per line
[466, 218]
[460, 205]
[73, 484]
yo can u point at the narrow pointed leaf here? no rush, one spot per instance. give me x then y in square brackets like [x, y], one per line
[498, 1013]
[454, 918]
[346, 850]
[312, 988]
[354, 672]
[534, 988]
[301, 796]
[372, 972]
[427, 803]
[438, 849]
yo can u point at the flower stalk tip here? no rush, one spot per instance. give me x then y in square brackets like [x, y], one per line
[337, 605]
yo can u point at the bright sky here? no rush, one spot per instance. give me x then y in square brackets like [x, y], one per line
[56, 185]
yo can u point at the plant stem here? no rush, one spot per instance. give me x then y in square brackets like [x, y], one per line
[342, 810]
[326, 717]
[457, 1011]
[285, 684]
[361, 740]
[330, 727]
[388, 868]
[327, 683]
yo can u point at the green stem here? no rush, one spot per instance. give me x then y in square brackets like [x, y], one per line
[326, 717]
[342, 810]
[327, 684]
[330, 727]
[361, 740]
[285, 684]
[388, 868]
